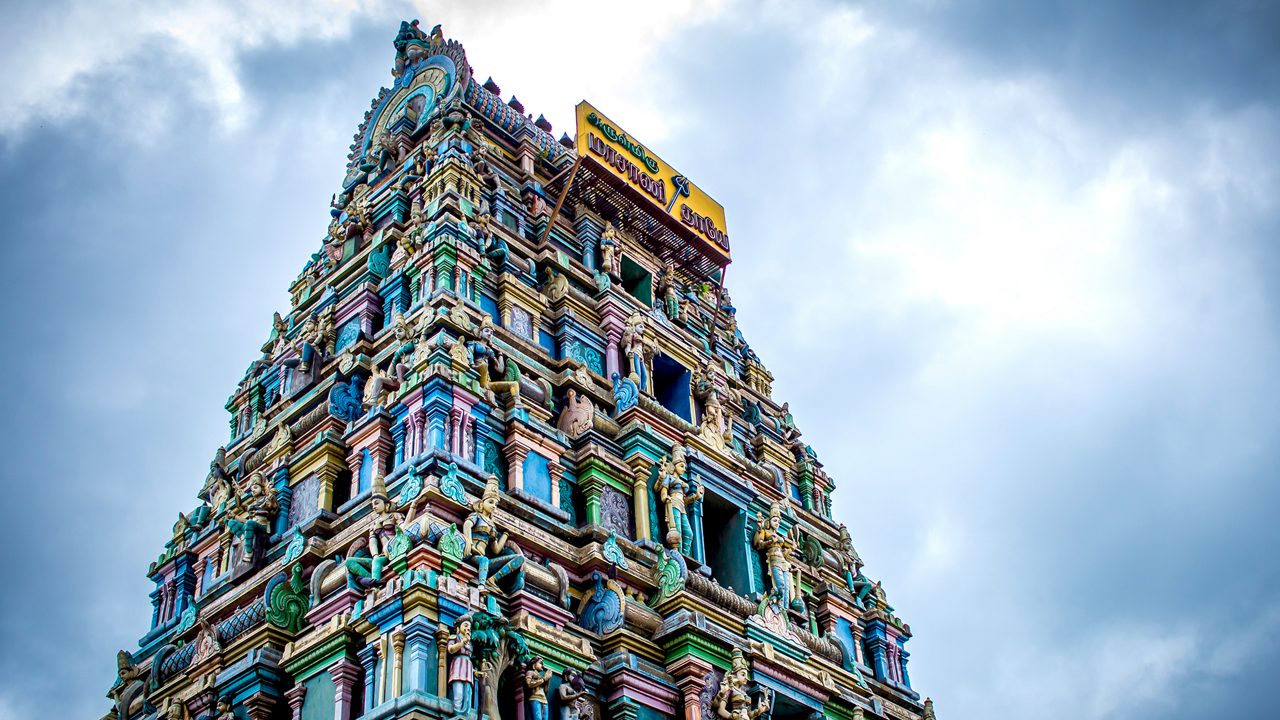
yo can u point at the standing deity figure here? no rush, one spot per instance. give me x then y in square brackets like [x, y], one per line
[572, 693]
[536, 679]
[368, 557]
[733, 702]
[850, 563]
[462, 674]
[639, 351]
[669, 287]
[677, 494]
[778, 545]
[710, 386]
[415, 235]
[487, 545]
[252, 521]
[611, 252]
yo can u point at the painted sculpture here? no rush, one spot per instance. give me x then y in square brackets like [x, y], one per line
[487, 545]
[468, 335]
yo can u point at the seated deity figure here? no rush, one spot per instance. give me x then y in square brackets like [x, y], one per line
[733, 702]
[252, 521]
[639, 351]
[778, 546]
[497, 372]
[677, 494]
[368, 559]
[487, 546]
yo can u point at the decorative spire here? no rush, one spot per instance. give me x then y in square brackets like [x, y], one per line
[542, 123]
[515, 105]
[492, 86]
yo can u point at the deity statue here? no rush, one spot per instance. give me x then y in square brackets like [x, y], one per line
[415, 234]
[491, 362]
[851, 564]
[461, 671]
[575, 703]
[669, 288]
[536, 679]
[639, 351]
[130, 693]
[368, 558]
[379, 388]
[611, 252]
[313, 340]
[224, 711]
[577, 416]
[217, 488]
[487, 545]
[778, 545]
[677, 494]
[733, 702]
[252, 521]
[557, 285]
[497, 250]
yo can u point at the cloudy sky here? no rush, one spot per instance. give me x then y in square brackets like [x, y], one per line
[1014, 265]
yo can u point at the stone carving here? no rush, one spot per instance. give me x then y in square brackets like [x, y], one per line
[489, 362]
[669, 288]
[557, 285]
[250, 522]
[613, 553]
[536, 679]
[577, 415]
[733, 702]
[625, 394]
[461, 669]
[451, 485]
[676, 495]
[611, 251]
[575, 701]
[602, 609]
[346, 400]
[368, 558]
[487, 545]
[615, 511]
[638, 349]
[130, 692]
[288, 601]
[778, 546]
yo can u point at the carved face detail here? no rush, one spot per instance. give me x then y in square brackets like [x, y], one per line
[464, 628]
[488, 504]
[379, 504]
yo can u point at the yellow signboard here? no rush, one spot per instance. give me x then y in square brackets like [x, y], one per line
[601, 140]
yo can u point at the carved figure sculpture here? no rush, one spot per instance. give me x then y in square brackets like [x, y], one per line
[536, 679]
[677, 494]
[611, 251]
[130, 693]
[487, 545]
[669, 288]
[778, 545]
[639, 351]
[557, 285]
[224, 711]
[489, 361]
[380, 388]
[253, 520]
[733, 702]
[572, 693]
[369, 557]
[577, 416]
[461, 671]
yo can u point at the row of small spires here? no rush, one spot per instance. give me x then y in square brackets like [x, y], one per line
[541, 123]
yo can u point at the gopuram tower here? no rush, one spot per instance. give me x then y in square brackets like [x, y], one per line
[508, 456]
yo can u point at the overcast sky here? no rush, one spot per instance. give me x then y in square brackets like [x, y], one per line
[1013, 264]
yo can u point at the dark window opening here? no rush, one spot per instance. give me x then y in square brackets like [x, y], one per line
[726, 545]
[671, 386]
[637, 281]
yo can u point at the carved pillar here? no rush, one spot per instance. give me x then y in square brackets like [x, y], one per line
[419, 430]
[327, 476]
[695, 524]
[399, 442]
[260, 705]
[397, 663]
[345, 674]
[556, 471]
[690, 674]
[455, 431]
[284, 496]
[355, 461]
[640, 498]
[418, 638]
[369, 661]
[296, 695]
[879, 658]
[515, 465]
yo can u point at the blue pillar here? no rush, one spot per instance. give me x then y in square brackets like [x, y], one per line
[369, 659]
[284, 496]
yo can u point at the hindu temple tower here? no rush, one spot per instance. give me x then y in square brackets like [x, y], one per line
[507, 455]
